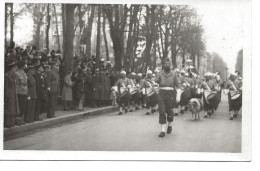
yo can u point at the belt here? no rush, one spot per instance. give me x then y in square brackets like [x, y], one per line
[166, 88]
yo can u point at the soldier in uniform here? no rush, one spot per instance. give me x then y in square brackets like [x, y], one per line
[31, 96]
[11, 106]
[135, 95]
[22, 90]
[235, 87]
[166, 97]
[150, 93]
[124, 96]
[179, 89]
[52, 84]
[41, 91]
[208, 85]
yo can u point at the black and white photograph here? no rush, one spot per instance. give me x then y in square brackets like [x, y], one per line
[126, 80]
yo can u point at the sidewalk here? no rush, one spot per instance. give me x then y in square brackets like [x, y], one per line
[61, 117]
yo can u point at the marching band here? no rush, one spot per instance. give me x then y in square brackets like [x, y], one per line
[171, 91]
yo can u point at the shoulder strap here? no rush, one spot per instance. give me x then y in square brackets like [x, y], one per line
[233, 85]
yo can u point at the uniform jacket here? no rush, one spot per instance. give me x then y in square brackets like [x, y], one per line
[31, 87]
[11, 106]
[40, 85]
[166, 79]
[53, 80]
[22, 86]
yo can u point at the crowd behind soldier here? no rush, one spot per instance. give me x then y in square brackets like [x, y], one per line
[36, 82]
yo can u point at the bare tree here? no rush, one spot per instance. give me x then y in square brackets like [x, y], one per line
[104, 34]
[48, 20]
[57, 28]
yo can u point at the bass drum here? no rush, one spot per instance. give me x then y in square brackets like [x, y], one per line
[178, 95]
[212, 98]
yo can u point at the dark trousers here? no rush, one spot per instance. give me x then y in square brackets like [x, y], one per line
[38, 108]
[151, 101]
[22, 101]
[166, 102]
[51, 104]
[29, 116]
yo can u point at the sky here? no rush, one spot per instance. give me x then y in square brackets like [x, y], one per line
[223, 25]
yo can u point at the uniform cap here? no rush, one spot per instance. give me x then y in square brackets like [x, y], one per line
[182, 71]
[133, 73]
[123, 72]
[139, 74]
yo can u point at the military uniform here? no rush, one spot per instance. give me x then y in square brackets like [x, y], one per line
[151, 96]
[234, 87]
[11, 106]
[52, 84]
[41, 94]
[30, 115]
[124, 95]
[135, 95]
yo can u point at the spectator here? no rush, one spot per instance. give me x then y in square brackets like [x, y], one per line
[67, 92]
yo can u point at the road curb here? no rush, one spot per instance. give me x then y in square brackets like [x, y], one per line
[18, 131]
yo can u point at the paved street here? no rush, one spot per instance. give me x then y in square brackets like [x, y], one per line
[138, 132]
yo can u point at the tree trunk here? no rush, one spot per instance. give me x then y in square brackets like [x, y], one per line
[105, 36]
[6, 18]
[48, 18]
[98, 34]
[11, 25]
[89, 31]
[68, 39]
[63, 11]
[57, 28]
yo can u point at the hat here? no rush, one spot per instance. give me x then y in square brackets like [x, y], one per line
[177, 70]
[123, 72]
[133, 74]
[186, 74]
[149, 72]
[156, 70]
[240, 78]
[46, 66]
[97, 69]
[12, 64]
[139, 74]
[153, 75]
[38, 65]
[182, 71]
[102, 59]
[108, 62]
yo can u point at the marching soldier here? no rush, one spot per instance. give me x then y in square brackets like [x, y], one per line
[208, 87]
[135, 95]
[151, 94]
[179, 90]
[124, 96]
[167, 97]
[234, 96]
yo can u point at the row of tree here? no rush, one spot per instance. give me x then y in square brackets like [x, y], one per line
[140, 34]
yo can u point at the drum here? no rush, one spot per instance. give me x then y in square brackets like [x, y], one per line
[211, 95]
[133, 90]
[235, 95]
[123, 91]
[178, 94]
[149, 92]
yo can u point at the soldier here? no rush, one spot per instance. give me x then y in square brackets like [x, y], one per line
[31, 96]
[11, 106]
[166, 97]
[124, 96]
[52, 85]
[41, 92]
[179, 89]
[135, 95]
[234, 95]
[208, 86]
[22, 90]
[151, 94]
[89, 88]
[96, 84]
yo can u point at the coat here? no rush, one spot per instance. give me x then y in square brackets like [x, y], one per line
[67, 89]
[53, 81]
[40, 86]
[96, 85]
[31, 87]
[89, 86]
[81, 86]
[11, 107]
[102, 86]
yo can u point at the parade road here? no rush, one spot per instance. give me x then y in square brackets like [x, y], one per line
[136, 131]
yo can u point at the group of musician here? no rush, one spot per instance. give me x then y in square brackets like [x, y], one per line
[169, 92]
